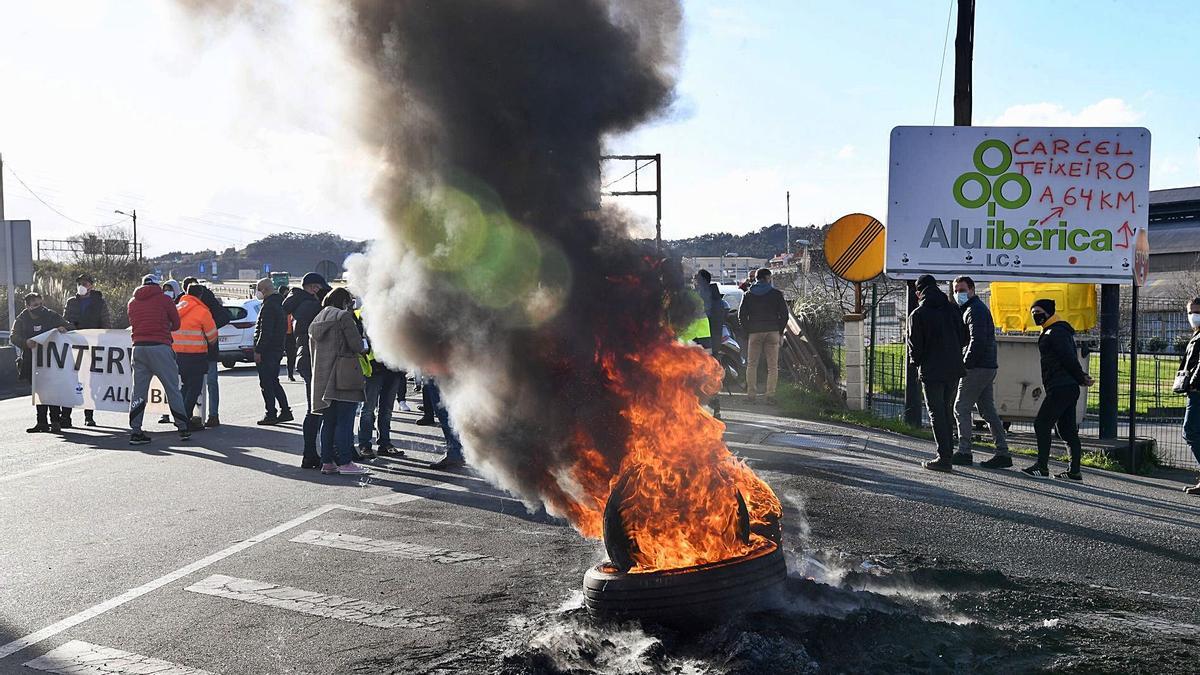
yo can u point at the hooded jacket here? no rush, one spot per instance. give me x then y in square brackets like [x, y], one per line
[32, 323]
[1060, 356]
[303, 306]
[270, 331]
[980, 351]
[335, 343]
[88, 311]
[763, 310]
[936, 335]
[152, 316]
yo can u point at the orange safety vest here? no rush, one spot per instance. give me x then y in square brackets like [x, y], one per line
[196, 327]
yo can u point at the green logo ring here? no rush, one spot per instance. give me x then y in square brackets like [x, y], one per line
[985, 190]
[1005, 152]
[998, 191]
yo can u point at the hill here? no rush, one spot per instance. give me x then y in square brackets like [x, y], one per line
[764, 243]
[282, 252]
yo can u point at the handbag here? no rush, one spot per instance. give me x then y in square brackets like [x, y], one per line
[1181, 382]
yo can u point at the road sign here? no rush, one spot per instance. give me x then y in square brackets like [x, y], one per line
[1017, 204]
[17, 252]
[854, 247]
[1141, 258]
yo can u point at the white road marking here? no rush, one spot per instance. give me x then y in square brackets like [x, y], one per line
[421, 485]
[316, 604]
[134, 593]
[49, 466]
[387, 547]
[84, 658]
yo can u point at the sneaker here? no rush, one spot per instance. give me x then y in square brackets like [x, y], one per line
[939, 464]
[285, 416]
[195, 424]
[138, 438]
[367, 453]
[38, 429]
[185, 435]
[268, 421]
[403, 406]
[997, 462]
[426, 422]
[1069, 475]
[962, 459]
[352, 469]
[1037, 471]
[291, 378]
[1194, 490]
[329, 469]
[391, 450]
[165, 419]
[446, 464]
[213, 421]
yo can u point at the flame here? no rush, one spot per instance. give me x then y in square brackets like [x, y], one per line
[680, 506]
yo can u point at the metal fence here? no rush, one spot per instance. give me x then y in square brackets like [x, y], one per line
[1163, 332]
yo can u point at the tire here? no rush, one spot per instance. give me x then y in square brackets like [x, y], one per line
[684, 598]
[230, 364]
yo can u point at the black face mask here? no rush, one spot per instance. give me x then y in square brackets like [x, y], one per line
[1040, 319]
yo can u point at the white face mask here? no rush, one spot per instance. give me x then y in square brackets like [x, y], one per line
[357, 303]
[258, 295]
[81, 290]
[1194, 319]
[962, 298]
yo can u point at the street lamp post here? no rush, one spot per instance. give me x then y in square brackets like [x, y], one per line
[133, 216]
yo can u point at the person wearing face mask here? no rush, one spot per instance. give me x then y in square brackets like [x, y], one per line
[1062, 376]
[30, 323]
[86, 309]
[270, 334]
[337, 380]
[303, 304]
[152, 319]
[975, 389]
[1189, 365]
[936, 336]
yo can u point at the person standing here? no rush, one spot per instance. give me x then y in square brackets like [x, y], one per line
[975, 389]
[270, 334]
[221, 318]
[716, 310]
[303, 304]
[379, 396]
[34, 320]
[289, 343]
[196, 334]
[86, 309]
[1062, 376]
[152, 318]
[337, 380]
[764, 317]
[936, 336]
[1189, 365]
[453, 458]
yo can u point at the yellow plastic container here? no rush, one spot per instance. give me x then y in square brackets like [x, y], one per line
[1011, 300]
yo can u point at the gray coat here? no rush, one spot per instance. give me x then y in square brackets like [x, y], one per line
[336, 343]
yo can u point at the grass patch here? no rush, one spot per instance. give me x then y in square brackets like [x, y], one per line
[804, 404]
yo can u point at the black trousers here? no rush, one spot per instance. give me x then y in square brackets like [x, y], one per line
[268, 381]
[1058, 410]
[939, 399]
[193, 369]
[50, 414]
[289, 350]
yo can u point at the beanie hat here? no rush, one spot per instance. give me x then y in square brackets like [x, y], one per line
[314, 278]
[926, 281]
[1047, 306]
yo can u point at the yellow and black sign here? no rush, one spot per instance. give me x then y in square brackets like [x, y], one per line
[854, 247]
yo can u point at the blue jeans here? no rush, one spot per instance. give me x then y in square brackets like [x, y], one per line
[453, 445]
[380, 397]
[1191, 423]
[337, 429]
[214, 394]
[366, 420]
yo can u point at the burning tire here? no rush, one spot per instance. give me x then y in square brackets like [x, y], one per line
[687, 596]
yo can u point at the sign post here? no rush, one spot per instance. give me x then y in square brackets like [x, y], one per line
[16, 261]
[854, 252]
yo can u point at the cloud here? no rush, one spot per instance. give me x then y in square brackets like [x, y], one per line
[1109, 112]
[847, 152]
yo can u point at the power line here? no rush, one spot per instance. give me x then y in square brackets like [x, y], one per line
[43, 201]
[942, 68]
[609, 184]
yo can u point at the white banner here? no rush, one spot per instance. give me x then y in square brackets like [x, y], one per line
[91, 369]
[1012, 204]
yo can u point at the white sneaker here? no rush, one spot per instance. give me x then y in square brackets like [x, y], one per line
[404, 407]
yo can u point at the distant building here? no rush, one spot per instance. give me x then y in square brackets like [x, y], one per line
[730, 268]
[1174, 229]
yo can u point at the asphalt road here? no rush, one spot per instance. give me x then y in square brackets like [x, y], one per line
[220, 555]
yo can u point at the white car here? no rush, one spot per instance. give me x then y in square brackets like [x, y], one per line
[732, 294]
[236, 339]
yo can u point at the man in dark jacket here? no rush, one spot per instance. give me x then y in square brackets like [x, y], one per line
[936, 336]
[1189, 363]
[32, 322]
[86, 309]
[764, 317]
[303, 304]
[152, 319]
[975, 390]
[1062, 376]
[221, 317]
[270, 333]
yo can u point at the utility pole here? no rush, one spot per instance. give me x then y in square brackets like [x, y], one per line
[788, 229]
[10, 280]
[964, 49]
[133, 216]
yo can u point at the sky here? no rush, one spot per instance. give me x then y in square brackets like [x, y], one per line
[219, 134]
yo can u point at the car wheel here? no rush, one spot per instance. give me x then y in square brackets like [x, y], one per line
[229, 364]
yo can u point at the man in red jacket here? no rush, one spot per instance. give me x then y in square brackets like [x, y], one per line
[152, 318]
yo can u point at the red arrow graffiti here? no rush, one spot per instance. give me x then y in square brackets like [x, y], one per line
[1055, 212]
[1128, 232]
